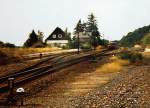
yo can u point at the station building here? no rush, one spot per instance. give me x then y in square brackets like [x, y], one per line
[57, 37]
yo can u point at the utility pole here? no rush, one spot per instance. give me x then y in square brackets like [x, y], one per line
[94, 43]
[94, 36]
[103, 39]
[78, 44]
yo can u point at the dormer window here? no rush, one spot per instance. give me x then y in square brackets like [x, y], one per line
[59, 35]
[54, 36]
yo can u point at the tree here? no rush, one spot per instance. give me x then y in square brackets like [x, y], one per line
[34, 40]
[70, 42]
[9, 45]
[68, 34]
[2, 44]
[146, 39]
[134, 37]
[92, 27]
[78, 28]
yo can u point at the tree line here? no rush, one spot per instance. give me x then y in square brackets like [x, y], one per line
[7, 45]
[89, 27]
[139, 36]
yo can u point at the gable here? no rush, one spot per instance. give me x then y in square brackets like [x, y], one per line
[57, 34]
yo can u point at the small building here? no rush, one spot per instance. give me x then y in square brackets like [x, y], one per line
[57, 37]
[84, 37]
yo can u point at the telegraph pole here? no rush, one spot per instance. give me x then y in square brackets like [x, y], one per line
[78, 44]
[94, 43]
[103, 39]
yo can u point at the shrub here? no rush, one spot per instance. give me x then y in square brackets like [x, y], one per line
[9, 45]
[131, 56]
[65, 47]
[85, 46]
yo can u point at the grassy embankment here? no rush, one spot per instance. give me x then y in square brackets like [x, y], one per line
[8, 55]
[117, 63]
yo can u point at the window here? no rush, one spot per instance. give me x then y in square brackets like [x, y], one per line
[54, 36]
[60, 36]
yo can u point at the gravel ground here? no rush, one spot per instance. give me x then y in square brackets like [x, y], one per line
[80, 86]
[130, 89]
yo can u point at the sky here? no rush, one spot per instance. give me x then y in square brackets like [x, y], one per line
[115, 17]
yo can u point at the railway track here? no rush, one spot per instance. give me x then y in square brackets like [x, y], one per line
[51, 59]
[44, 55]
[32, 73]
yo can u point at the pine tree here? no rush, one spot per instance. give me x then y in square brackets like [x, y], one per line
[84, 27]
[92, 27]
[33, 38]
[78, 28]
[68, 34]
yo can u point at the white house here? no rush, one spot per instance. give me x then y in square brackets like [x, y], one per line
[57, 37]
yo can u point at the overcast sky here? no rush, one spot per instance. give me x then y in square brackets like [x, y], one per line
[115, 17]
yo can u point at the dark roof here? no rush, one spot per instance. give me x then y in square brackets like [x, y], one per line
[59, 33]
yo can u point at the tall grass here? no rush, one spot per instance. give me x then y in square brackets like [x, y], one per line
[115, 65]
[24, 51]
[133, 56]
[8, 55]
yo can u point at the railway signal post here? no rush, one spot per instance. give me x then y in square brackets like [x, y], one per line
[41, 55]
[11, 87]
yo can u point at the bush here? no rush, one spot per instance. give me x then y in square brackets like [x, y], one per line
[65, 47]
[131, 56]
[85, 46]
[9, 45]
